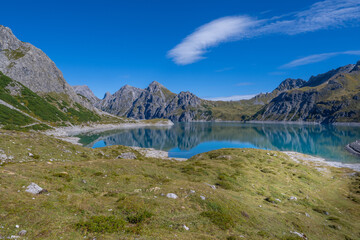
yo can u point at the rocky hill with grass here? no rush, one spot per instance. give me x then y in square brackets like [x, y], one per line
[326, 98]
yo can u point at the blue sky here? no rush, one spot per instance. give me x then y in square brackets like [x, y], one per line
[211, 48]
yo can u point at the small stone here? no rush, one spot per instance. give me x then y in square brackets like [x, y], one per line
[306, 214]
[83, 181]
[137, 190]
[186, 228]
[127, 155]
[293, 198]
[17, 226]
[276, 199]
[22, 232]
[260, 206]
[171, 195]
[202, 197]
[192, 191]
[35, 189]
[31, 155]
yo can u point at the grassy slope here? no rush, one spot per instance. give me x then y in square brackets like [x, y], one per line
[46, 108]
[133, 189]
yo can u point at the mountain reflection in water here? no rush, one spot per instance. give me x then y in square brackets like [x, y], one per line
[188, 139]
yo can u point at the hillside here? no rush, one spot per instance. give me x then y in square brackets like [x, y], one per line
[22, 107]
[223, 194]
[156, 101]
[330, 97]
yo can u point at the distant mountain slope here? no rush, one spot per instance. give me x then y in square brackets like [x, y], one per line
[32, 67]
[330, 97]
[155, 101]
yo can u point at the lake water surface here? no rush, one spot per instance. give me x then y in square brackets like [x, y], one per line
[185, 140]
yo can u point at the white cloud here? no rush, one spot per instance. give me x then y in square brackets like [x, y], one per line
[232, 98]
[321, 15]
[211, 34]
[317, 58]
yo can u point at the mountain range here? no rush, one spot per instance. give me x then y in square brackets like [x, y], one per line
[31, 86]
[326, 98]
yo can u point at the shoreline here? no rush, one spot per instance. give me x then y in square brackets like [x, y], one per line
[67, 133]
[320, 162]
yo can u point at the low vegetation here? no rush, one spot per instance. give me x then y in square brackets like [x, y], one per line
[223, 194]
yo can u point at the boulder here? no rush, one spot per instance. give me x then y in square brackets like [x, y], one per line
[33, 188]
[172, 195]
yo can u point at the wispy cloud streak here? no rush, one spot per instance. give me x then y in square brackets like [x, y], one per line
[232, 98]
[211, 34]
[321, 15]
[317, 58]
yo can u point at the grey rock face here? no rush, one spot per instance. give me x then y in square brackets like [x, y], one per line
[153, 102]
[32, 67]
[85, 91]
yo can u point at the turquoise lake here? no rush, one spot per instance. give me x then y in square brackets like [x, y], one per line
[184, 140]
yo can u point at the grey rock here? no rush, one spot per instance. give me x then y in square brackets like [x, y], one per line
[203, 198]
[86, 92]
[354, 147]
[22, 233]
[293, 198]
[127, 155]
[33, 188]
[172, 195]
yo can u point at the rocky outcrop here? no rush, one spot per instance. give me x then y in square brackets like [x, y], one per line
[354, 148]
[32, 67]
[326, 98]
[155, 101]
[289, 84]
[86, 92]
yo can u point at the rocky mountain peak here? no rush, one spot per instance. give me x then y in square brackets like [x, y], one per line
[356, 67]
[324, 77]
[8, 39]
[107, 95]
[155, 86]
[289, 84]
